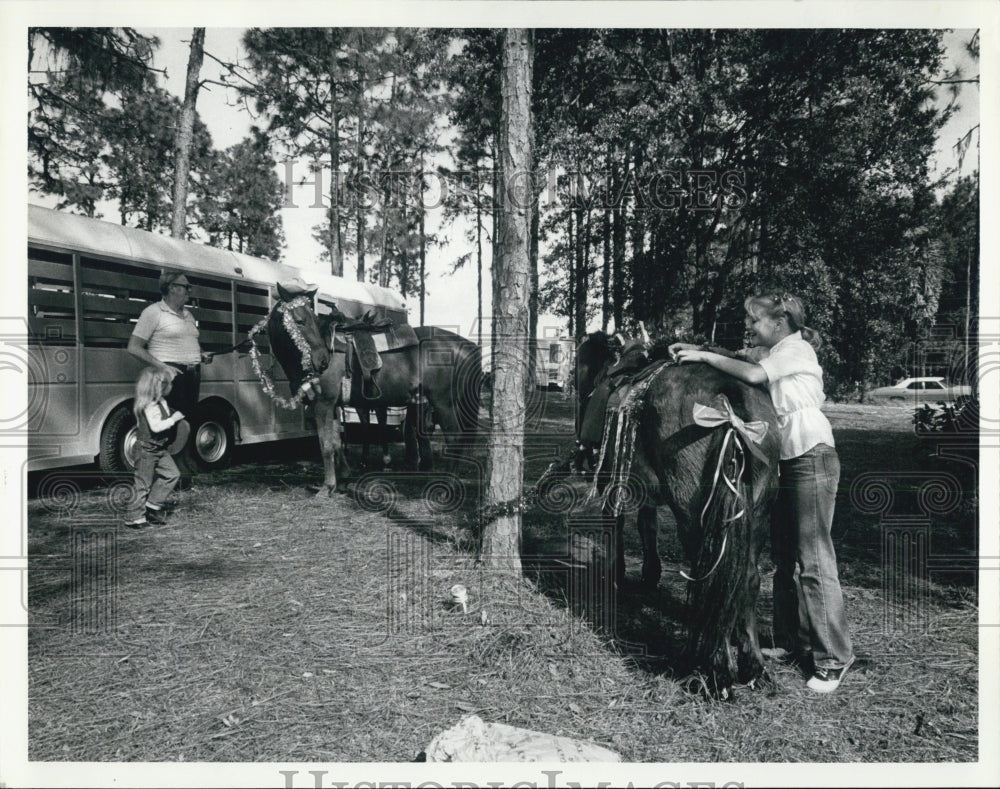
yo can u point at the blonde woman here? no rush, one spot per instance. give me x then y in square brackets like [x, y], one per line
[809, 619]
[156, 474]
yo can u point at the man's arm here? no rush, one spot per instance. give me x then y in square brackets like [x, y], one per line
[138, 348]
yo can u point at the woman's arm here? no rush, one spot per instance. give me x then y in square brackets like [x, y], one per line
[750, 372]
[677, 347]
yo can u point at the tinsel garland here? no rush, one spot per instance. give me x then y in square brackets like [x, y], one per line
[266, 381]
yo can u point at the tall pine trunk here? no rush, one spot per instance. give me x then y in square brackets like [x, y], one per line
[360, 166]
[618, 250]
[479, 260]
[500, 548]
[606, 270]
[336, 252]
[580, 262]
[185, 134]
[423, 241]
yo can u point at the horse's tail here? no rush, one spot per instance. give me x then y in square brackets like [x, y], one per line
[719, 583]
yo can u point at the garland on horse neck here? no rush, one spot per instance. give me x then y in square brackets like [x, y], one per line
[311, 377]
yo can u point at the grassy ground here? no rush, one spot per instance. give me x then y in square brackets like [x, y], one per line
[262, 624]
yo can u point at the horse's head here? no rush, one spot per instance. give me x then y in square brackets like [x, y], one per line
[593, 355]
[294, 331]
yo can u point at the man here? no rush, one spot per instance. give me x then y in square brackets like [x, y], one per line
[166, 337]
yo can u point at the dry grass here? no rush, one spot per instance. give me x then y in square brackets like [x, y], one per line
[264, 625]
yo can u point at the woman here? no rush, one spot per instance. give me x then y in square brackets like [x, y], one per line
[809, 619]
[166, 337]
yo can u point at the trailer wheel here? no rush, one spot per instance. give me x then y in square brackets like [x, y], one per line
[119, 442]
[213, 438]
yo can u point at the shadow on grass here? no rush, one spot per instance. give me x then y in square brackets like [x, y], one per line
[893, 481]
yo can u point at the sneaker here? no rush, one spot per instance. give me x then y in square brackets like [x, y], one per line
[138, 523]
[827, 680]
[156, 517]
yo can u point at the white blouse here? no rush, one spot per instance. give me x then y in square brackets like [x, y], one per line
[795, 381]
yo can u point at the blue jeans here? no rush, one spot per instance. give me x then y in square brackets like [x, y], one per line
[808, 610]
[156, 475]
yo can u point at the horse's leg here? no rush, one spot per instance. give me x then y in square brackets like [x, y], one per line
[365, 420]
[382, 414]
[328, 431]
[425, 426]
[412, 456]
[617, 523]
[651, 565]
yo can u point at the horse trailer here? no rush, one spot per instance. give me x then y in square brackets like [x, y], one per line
[88, 280]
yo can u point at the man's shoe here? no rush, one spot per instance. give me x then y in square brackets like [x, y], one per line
[138, 523]
[156, 517]
[827, 680]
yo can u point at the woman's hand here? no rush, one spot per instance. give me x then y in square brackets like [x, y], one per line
[693, 353]
[675, 347]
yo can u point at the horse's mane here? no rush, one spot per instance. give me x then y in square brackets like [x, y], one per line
[595, 350]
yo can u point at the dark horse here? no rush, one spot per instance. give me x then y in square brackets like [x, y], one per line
[673, 460]
[438, 380]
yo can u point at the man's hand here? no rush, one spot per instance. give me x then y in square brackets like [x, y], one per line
[206, 357]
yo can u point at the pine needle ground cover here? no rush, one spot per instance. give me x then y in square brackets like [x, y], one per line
[263, 624]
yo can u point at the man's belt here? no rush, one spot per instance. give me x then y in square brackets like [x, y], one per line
[184, 368]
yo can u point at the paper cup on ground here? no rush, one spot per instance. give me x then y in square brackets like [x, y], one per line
[460, 597]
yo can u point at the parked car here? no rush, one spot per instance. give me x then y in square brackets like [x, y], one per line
[926, 389]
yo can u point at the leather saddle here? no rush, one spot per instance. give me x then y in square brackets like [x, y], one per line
[612, 387]
[364, 340]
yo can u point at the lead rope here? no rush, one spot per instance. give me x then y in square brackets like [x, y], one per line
[737, 475]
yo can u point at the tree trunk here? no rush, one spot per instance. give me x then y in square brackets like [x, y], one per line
[571, 278]
[185, 134]
[618, 252]
[606, 271]
[336, 253]
[360, 166]
[580, 266]
[533, 280]
[501, 536]
[479, 261]
[423, 243]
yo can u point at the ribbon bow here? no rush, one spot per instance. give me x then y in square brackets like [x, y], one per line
[753, 432]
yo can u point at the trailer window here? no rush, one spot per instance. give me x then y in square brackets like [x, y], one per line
[51, 303]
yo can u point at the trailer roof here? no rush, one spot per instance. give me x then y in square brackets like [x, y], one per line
[72, 231]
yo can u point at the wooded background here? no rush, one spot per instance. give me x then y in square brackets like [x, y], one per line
[678, 170]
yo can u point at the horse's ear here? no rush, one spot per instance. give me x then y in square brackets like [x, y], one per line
[283, 294]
